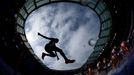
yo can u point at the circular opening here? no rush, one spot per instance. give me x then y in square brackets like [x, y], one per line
[77, 27]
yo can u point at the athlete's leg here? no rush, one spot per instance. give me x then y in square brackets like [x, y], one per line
[51, 54]
[63, 55]
[61, 52]
[49, 51]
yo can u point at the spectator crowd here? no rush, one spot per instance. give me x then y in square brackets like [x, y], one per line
[117, 54]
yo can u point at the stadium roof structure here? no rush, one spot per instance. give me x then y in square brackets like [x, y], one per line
[96, 5]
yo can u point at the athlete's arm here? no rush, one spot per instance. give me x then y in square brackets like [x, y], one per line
[44, 36]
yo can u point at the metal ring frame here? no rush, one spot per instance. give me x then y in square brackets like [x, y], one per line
[96, 5]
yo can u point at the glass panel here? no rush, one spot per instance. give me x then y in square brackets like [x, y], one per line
[23, 13]
[86, 2]
[23, 37]
[96, 53]
[28, 4]
[107, 13]
[102, 40]
[90, 60]
[91, 56]
[37, 0]
[106, 25]
[42, 2]
[100, 8]
[91, 5]
[94, 1]
[75, 0]
[98, 48]
[27, 45]
[31, 50]
[105, 16]
[101, 5]
[56, 0]
[20, 29]
[20, 21]
[105, 33]
[29, 10]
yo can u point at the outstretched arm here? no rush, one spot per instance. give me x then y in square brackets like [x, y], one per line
[43, 36]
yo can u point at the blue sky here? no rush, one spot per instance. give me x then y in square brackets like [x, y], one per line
[74, 25]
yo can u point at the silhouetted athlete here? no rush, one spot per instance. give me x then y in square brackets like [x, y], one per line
[51, 48]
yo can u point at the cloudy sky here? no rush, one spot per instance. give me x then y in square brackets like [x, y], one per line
[74, 25]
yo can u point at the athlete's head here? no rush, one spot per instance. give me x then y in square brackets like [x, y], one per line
[56, 40]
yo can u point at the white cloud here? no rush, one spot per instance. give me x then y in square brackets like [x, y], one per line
[72, 24]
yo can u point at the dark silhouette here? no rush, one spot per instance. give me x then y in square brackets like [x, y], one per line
[52, 49]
